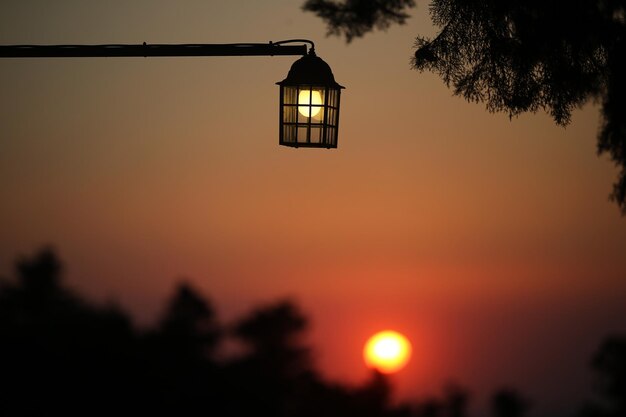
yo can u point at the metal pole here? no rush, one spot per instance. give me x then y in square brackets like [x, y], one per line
[146, 50]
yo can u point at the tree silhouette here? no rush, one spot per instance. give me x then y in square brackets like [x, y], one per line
[453, 403]
[518, 56]
[177, 357]
[609, 363]
[272, 374]
[373, 398]
[431, 407]
[507, 402]
[274, 335]
[61, 355]
[189, 326]
[57, 353]
[354, 18]
[456, 399]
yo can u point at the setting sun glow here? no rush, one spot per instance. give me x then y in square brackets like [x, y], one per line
[387, 351]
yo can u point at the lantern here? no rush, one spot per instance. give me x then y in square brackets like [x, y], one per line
[309, 105]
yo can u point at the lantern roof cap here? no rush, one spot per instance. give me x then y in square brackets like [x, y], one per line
[310, 70]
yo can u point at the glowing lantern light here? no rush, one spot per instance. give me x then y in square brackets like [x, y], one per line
[309, 105]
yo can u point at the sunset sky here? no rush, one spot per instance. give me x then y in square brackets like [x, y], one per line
[489, 242]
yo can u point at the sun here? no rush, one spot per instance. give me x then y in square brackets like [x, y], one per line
[387, 351]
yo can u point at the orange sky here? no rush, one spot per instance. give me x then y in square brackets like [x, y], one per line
[489, 242]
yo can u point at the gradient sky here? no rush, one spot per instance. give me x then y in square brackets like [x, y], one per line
[489, 242]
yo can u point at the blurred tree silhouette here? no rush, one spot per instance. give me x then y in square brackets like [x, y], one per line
[507, 402]
[517, 56]
[274, 334]
[374, 399]
[453, 403]
[276, 367]
[456, 400]
[178, 355]
[60, 355]
[354, 18]
[431, 407]
[609, 363]
[189, 327]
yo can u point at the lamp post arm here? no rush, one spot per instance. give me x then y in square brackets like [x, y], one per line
[152, 50]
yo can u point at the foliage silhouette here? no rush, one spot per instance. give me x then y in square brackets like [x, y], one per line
[519, 56]
[431, 407]
[354, 18]
[189, 327]
[507, 402]
[60, 355]
[57, 352]
[453, 403]
[177, 357]
[609, 364]
[274, 370]
[456, 400]
[274, 333]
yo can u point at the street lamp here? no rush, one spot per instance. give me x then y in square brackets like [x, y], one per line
[309, 104]
[309, 96]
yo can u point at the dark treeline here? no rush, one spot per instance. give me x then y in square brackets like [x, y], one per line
[61, 355]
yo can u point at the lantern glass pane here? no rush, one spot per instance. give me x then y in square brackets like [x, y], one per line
[331, 134]
[301, 118]
[289, 114]
[316, 134]
[290, 95]
[319, 117]
[302, 134]
[289, 133]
